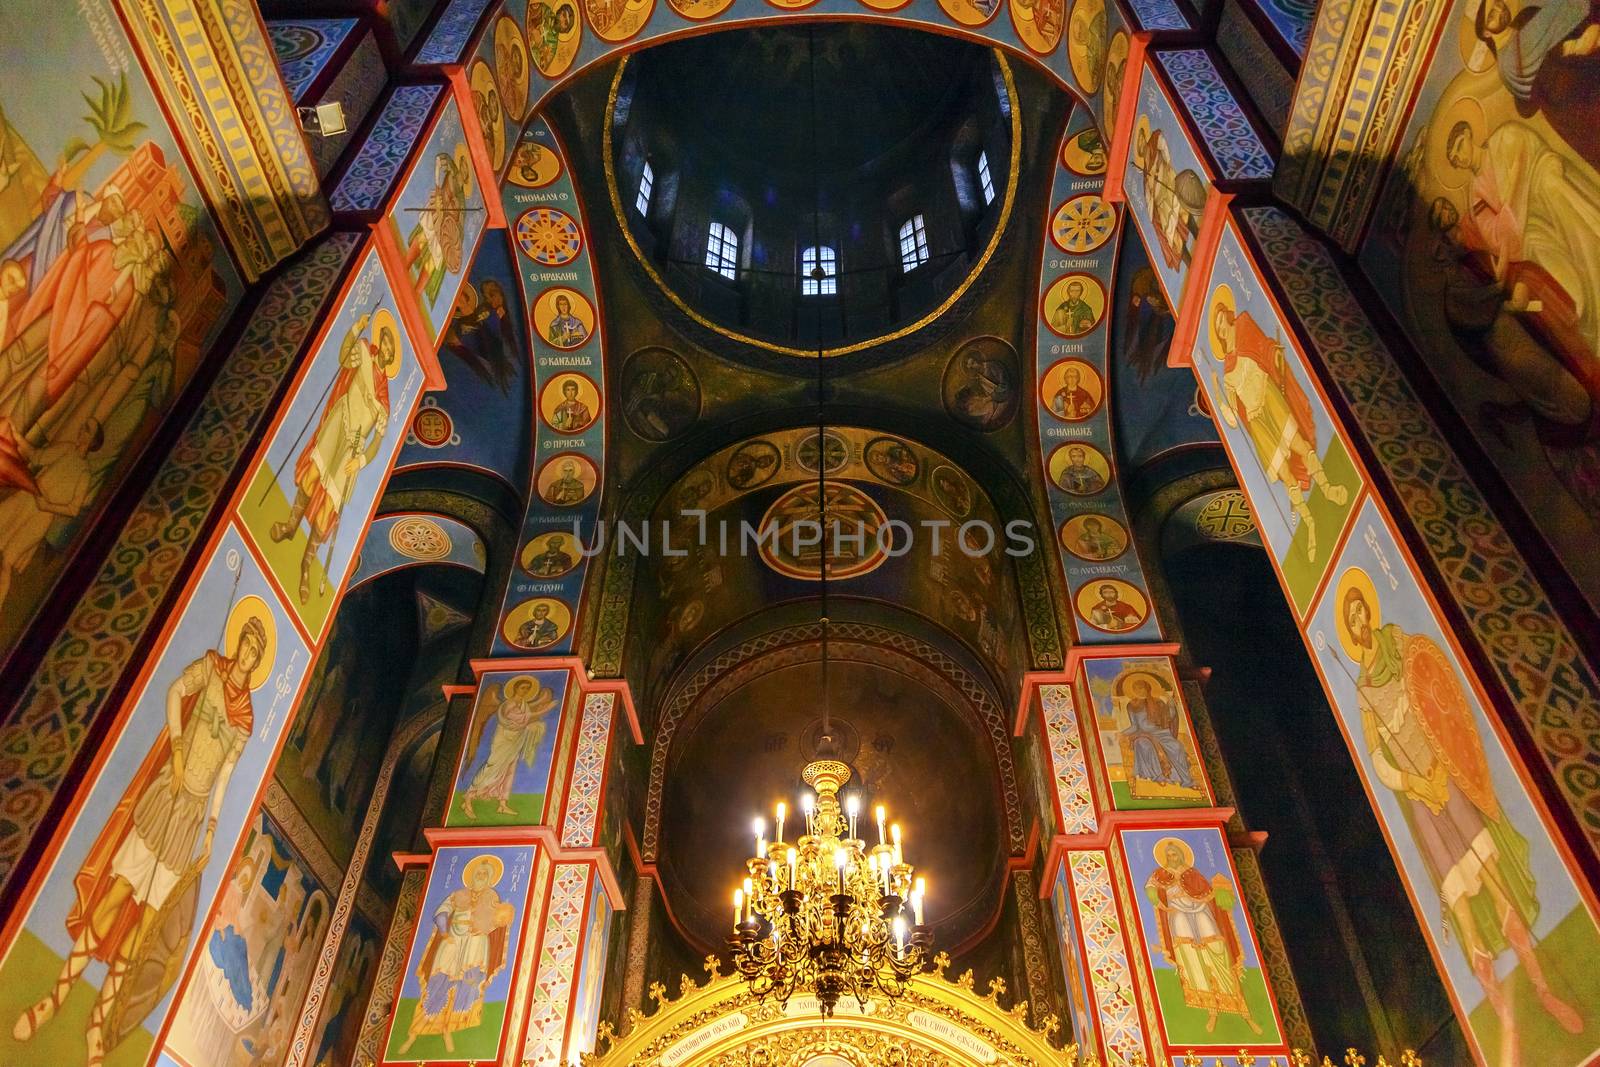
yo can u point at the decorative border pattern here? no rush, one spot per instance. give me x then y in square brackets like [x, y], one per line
[558, 963]
[370, 178]
[1228, 135]
[96, 645]
[588, 771]
[1109, 975]
[1031, 926]
[1067, 768]
[386, 980]
[1274, 954]
[1158, 15]
[1533, 653]
[448, 41]
[307, 44]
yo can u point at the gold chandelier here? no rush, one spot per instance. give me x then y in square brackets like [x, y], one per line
[828, 915]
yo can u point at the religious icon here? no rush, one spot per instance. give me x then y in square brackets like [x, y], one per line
[466, 948]
[563, 318]
[511, 70]
[1116, 71]
[1079, 469]
[569, 403]
[617, 20]
[951, 490]
[436, 246]
[549, 237]
[537, 623]
[553, 32]
[699, 10]
[980, 384]
[1197, 935]
[1086, 43]
[1074, 305]
[1092, 536]
[533, 165]
[1112, 605]
[345, 440]
[971, 12]
[483, 334]
[660, 394]
[514, 723]
[1085, 153]
[892, 461]
[550, 555]
[1421, 737]
[1072, 390]
[1176, 198]
[567, 480]
[1038, 23]
[1263, 397]
[1083, 224]
[753, 464]
[860, 546]
[138, 891]
[486, 105]
[1158, 759]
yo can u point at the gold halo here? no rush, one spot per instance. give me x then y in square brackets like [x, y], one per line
[383, 320]
[463, 162]
[505, 686]
[466, 299]
[1161, 846]
[1222, 294]
[1141, 134]
[251, 606]
[1475, 55]
[1157, 683]
[485, 860]
[506, 27]
[1354, 578]
[1461, 109]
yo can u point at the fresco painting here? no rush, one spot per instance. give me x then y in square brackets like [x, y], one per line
[1079, 1000]
[1507, 924]
[1166, 186]
[1285, 445]
[256, 962]
[1146, 742]
[92, 969]
[330, 451]
[457, 981]
[334, 1041]
[1484, 244]
[437, 219]
[1208, 976]
[591, 971]
[504, 775]
[113, 283]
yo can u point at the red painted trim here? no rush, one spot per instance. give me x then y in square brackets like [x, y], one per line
[488, 181]
[1128, 103]
[1191, 310]
[405, 298]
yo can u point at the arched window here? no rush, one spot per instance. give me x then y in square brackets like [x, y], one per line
[985, 179]
[722, 251]
[819, 271]
[647, 185]
[913, 243]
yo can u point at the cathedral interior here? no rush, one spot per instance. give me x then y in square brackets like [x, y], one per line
[527, 539]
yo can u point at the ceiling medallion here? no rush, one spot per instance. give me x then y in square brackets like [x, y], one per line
[828, 916]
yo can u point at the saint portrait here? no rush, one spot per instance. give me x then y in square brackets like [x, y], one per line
[753, 464]
[1086, 43]
[980, 385]
[486, 105]
[1092, 536]
[554, 28]
[537, 623]
[660, 394]
[1085, 153]
[550, 555]
[563, 318]
[892, 461]
[569, 403]
[1176, 198]
[533, 165]
[1072, 390]
[1112, 605]
[1074, 305]
[567, 480]
[1079, 469]
[511, 69]
[506, 763]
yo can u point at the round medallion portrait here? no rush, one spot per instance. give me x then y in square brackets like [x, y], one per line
[1073, 305]
[699, 10]
[1083, 224]
[1094, 537]
[554, 30]
[537, 623]
[511, 71]
[1038, 23]
[533, 165]
[563, 318]
[550, 555]
[567, 480]
[971, 12]
[951, 490]
[1111, 605]
[660, 394]
[486, 103]
[1079, 468]
[1085, 153]
[980, 385]
[892, 461]
[753, 464]
[617, 20]
[1116, 71]
[549, 237]
[1072, 390]
[1086, 43]
[569, 403]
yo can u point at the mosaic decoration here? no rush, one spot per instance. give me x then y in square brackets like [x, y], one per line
[568, 497]
[395, 541]
[1110, 980]
[1166, 185]
[233, 665]
[1289, 451]
[559, 950]
[1067, 769]
[503, 777]
[1222, 123]
[580, 824]
[1450, 798]
[451, 35]
[68, 690]
[330, 454]
[1104, 579]
[457, 981]
[1210, 986]
[1533, 655]
[1147, 744]
[304, 46]
[368, 180]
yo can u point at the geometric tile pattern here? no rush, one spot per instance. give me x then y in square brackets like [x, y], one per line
[452, 33]
[1228, 135]
[95, 647]
[1103, 944]
[303, 47]
[1158, 15]
[365, 185]
[1066, 761]
[588, 770]
[1512, 621]
[558, 961]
